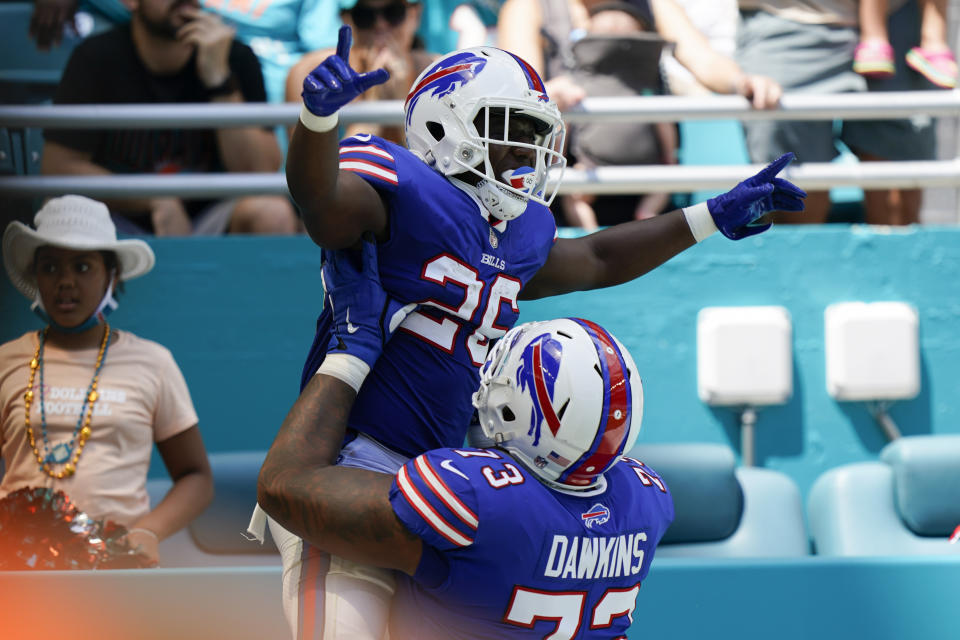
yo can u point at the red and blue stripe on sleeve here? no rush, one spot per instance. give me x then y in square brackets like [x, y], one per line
[435, 502]
[367, 158]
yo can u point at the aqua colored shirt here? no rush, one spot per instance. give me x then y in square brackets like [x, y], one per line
[280, 32]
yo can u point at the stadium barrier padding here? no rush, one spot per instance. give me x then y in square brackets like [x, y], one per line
[824, 598]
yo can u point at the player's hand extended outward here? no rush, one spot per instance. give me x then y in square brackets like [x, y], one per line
[333, 83]
[737, 212]
[364, 316]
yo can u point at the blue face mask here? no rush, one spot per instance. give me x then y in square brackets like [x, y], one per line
[99, 316]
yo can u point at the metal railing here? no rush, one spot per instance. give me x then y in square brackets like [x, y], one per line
[604, 180]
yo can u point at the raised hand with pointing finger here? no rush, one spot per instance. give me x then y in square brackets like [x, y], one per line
[333, 83]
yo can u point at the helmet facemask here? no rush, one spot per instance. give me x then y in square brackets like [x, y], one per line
[495, 123]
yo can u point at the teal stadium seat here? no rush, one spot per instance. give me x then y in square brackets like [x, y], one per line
[724, 511]
[30, 76]
[27, 74]
[217, 536]
[905, 503]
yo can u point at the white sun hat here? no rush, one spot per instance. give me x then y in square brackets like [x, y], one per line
[70, 222]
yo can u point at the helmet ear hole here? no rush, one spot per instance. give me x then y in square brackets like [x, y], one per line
[507, 414]
[436, 130]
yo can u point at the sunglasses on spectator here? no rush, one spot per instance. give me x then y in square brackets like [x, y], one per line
[365, 17]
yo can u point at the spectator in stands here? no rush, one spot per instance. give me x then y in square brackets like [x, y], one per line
[622, 60]
[280, 32]
[170, 52]
[81, 403]
[809, 48]
[475, 23]
[933, 59]
[545, 33]
[523, 22]
[717, 21]
[50, 18]
[449, 25]
[385, 36]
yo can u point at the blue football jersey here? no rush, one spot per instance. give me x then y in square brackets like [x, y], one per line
[467, 272]
[506, 557]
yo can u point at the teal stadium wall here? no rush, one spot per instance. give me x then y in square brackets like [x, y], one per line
[238, 314]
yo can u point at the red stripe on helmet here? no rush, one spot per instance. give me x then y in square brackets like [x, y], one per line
[543, 396]
[612, 432]
[433, 76]
[533, 77]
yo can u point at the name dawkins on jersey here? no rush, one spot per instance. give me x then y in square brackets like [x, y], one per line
[580, 557]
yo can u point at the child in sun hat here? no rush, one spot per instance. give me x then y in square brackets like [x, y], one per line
[81, 402]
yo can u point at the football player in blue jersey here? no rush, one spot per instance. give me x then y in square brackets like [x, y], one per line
[545, 529]
[463, 228]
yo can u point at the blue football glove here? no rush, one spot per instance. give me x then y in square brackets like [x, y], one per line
[333, 83]
[364, 316]
[736, 212]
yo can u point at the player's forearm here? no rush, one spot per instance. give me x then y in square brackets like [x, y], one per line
[627, 251]
[611, 256]
[307, 442]
[346, 512]
[309, 438]
[337, 207]
[313, 167]
[341, 510]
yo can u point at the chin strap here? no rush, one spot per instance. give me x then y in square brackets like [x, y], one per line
[99, 316]
[501, 202]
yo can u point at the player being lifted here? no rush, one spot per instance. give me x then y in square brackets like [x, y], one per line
[463, 228]
[548, 530]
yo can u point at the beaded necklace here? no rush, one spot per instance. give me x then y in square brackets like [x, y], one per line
[62, 453]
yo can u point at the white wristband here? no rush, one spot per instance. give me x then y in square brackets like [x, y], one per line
[318, 124]
[345, 367]
[700, 221]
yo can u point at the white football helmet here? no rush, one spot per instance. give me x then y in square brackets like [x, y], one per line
[441, 117]
[564, 397]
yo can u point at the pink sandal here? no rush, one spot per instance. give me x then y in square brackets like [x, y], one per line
[939, 67]
[873, 59]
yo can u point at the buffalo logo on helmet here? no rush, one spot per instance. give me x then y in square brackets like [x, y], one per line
[537, 375]
[445, 77]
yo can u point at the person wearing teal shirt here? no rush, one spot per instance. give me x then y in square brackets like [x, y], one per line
[279, 32]
[441, 36]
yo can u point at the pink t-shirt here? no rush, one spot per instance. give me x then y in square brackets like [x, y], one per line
[143, 399]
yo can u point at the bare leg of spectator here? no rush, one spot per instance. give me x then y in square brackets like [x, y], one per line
[933, 25]
[893, 207]
[264, 215]
[873, 20]
[578, 211]
[816, 209]
[890, 206]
